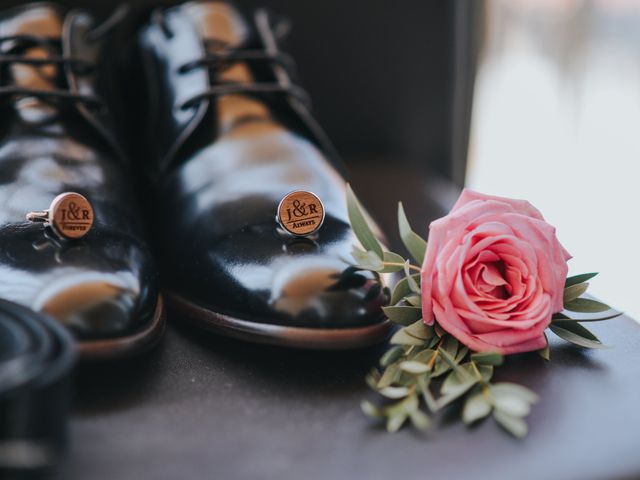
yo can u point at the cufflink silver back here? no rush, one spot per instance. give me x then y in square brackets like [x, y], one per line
[300, 213]
[70, 215]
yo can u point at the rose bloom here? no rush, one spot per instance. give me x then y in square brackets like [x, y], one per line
[493, 274]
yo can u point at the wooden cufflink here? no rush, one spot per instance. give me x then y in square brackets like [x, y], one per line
[70, 215]
[300, 213]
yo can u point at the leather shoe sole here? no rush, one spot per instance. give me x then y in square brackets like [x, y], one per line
[271, 334]
[111, 348]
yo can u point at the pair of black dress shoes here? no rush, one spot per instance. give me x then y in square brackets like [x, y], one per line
[209, 119]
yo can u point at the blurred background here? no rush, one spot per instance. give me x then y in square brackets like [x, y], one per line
[556, 120]
[536, 99]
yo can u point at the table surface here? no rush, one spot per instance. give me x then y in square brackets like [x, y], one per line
[202, 406]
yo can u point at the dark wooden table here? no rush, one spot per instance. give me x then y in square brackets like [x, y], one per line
[202, 406]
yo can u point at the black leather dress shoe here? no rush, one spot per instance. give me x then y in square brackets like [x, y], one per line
[36, 357]
[57, 134]
[228, 134]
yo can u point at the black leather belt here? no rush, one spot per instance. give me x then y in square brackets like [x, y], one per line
[36, 356]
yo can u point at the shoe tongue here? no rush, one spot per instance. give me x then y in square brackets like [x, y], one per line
[40, 20]
[218, 21]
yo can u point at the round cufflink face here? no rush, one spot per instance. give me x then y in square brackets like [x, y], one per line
[300, 213]
[71, 215]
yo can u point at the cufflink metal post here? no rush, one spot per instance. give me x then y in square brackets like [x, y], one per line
[300, 213]
[70, 215]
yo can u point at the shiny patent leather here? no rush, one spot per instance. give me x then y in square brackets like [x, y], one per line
[218, 168]
[36, 356]
[102, 286]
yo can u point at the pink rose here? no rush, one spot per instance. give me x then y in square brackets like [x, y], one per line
[493, 274]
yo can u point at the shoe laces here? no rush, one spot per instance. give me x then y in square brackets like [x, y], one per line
[221, 56]
[14, 49]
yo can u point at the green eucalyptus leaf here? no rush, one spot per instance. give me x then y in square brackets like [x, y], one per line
[402, 289]
[514, 425]
[486, 372]
[394, 392]
[372, 378]
[574, 291]
[473, 369]
[575, 327]
[403, 338]
[368, 260]
[395, 422]
[488, 358]
[420, 330]
[515, 390]
[405, 379]
[408, 405]
[413, 285]
[389, 376]
[598, 319]
[403, 315]
[394, 257]
[586, 305]
[575, 333]
[391, 355]
[371, 410]
[440, 367]
[545, 352]
[453, 382]
[390, 257]
[423, 385]
[451, 346]
[454, 394]
[411, 403]
[360, 225]
[424, 356]
[450, 360]
[462, 353]
[414, 300]
[416, 368]
[415, 244]
[420, 420]
[439, 330]
[576, 279]
[456, 384]
[475, 408]
[511, 404]
[398, 413]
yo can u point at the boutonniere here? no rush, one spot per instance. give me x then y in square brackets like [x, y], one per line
[490, 282]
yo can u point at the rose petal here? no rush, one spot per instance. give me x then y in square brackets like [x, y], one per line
[493, 274]
[521, 206]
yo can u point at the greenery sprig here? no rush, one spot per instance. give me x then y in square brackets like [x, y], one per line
[427, 370]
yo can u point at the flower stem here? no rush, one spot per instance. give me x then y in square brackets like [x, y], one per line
[477, 372]
[396, 264]
[435, 355]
